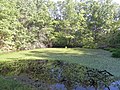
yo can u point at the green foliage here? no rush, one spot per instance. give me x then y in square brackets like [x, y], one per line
[33, 24]
[112, 49]
[116, 53]
[114, 39]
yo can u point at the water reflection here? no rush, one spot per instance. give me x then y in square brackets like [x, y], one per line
[76, 77]
[59, 75]
[59, 86]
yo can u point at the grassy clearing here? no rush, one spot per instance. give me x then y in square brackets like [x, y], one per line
[94, 58]
[6, 84]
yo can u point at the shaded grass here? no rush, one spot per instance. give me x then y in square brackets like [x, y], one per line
[10, 84]
[94, 58]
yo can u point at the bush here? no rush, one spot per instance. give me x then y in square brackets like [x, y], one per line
[112, 50]
[116, 54]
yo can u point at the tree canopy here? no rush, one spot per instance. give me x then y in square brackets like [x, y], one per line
[29, 24]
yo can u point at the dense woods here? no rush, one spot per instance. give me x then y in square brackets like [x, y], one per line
[29, 24]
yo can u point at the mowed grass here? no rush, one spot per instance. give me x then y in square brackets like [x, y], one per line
[94, 58]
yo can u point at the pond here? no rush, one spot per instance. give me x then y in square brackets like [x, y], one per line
[59, 75]
[113, 86]
[92, 79]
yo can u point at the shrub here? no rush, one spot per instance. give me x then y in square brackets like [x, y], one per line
[116, 54]
[112, 50]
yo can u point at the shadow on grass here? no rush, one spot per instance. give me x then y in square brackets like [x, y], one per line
[57, 55]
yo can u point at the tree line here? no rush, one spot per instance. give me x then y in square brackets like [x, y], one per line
[29, 24]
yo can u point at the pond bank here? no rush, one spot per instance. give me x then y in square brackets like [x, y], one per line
[39, 85]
